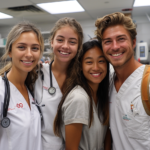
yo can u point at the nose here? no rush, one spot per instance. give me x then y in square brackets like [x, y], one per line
[115, 45]
[29, 52]
[95, 66]
[65, 44]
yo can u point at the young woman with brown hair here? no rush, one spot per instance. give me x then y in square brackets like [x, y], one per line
[66, 42]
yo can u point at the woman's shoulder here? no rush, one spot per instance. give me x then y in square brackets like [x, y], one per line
[78, 91]
[77, 94]
[75, 109]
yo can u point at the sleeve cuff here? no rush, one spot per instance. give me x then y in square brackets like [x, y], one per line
[82, 121]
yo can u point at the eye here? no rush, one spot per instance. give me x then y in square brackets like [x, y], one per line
[21, 47]
[107, 42]
[59, 40]
[35, 48]
[88, 62]
[73, 42]
[101, 61]
[121, 39]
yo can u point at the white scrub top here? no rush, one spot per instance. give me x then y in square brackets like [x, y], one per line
[130, 129]
[75, 109]
[24, 132]
[50, 141]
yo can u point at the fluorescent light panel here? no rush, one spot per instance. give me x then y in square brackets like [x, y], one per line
[140, 3]
[62, 7]
[4, 16]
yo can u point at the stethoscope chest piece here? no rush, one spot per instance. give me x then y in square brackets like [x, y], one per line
[51, 90]
[5, 122]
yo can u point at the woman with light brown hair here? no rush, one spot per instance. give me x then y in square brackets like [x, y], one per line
[20, 127]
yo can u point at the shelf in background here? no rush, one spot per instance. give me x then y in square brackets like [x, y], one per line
[46, 44]
[45, 32]
[47, 53]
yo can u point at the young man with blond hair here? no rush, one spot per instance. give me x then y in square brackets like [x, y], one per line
[129, 123]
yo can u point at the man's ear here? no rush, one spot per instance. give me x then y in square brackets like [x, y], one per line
[134, 43]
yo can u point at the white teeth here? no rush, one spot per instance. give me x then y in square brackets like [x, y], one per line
[64, 53]
[96, 74]
[27, 62]
[116, 54]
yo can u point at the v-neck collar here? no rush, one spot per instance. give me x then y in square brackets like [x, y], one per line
[128, 81]
[14, 88]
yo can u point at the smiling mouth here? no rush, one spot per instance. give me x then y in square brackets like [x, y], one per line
[64, 53]
[27, 62]
[115, 55]
[95, 74]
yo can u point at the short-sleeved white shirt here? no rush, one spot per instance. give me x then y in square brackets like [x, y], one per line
[50, 141]
[76, 110]
[24, 131]
[130, 130]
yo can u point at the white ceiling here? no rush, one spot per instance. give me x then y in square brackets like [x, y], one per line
[93, 10]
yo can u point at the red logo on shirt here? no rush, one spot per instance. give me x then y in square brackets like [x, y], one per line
[20, 105]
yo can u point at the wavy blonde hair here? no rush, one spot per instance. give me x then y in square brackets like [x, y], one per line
[13, 35]
[115, 19]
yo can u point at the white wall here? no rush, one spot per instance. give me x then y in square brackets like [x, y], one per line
[143, 29]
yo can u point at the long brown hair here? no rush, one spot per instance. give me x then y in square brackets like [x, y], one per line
[77, 78]
[13, 35]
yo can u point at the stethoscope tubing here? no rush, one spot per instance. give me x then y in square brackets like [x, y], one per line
[50, 73]
[7, 95]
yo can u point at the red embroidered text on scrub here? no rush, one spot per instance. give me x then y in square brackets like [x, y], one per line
[20, 105]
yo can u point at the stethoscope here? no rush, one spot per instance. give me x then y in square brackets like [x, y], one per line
[51, 89]
[5, 122]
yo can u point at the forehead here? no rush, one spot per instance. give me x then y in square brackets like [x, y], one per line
[27, 37]
[67, 31]
[93, 52]
[115, 31]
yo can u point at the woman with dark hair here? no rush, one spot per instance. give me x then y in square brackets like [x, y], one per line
[83, 112]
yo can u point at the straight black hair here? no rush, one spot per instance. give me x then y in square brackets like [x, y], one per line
[103, 89]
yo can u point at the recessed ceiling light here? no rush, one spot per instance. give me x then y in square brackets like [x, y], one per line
[62, 7]
[5, 16]
[140, 3]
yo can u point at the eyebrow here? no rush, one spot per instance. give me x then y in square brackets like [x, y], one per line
[26, 44]
[92, 58]
[69, 38]
[117, 37]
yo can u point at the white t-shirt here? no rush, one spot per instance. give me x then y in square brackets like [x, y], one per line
[24, 131]
[130, 130]
[50, 141]
[75, 109]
